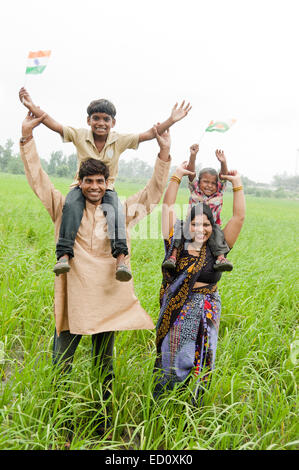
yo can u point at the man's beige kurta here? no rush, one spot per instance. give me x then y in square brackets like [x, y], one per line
[88, 299]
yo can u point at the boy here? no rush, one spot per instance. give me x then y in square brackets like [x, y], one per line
[208, 189]
[102, 144]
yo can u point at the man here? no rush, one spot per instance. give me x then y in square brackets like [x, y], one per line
[88, 299]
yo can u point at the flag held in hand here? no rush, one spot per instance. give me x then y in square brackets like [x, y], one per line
[220, 126]
[37, 62]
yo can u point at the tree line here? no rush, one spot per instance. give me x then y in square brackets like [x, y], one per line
[139, 171]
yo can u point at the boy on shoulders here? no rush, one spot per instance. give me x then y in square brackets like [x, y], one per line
[101, 143]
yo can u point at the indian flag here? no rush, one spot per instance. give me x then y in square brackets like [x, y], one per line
[220, 126]
[37, 62]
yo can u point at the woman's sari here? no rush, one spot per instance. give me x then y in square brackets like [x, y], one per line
[187, 328]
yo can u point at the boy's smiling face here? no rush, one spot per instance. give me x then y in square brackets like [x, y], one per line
[100, 124]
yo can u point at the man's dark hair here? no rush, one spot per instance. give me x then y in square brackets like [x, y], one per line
[93, 167]
[210, 171]
[101, 106]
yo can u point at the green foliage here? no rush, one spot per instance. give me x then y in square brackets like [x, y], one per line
[59, 164]
[284, 181]
[139, 171]
[252, 402]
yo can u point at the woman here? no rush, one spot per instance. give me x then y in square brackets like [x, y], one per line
[188, 323]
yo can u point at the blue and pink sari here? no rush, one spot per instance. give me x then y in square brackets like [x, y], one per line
[188, 324]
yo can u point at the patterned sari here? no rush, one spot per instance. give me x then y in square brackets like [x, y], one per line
[188, 324]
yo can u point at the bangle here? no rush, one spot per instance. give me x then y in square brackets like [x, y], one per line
[237, 188]
[24, 140]
[176, 179]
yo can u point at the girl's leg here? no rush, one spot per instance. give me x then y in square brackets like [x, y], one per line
[170, 263]
[219, 249]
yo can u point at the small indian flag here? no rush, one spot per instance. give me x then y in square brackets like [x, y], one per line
[220, 126]
[37, 62]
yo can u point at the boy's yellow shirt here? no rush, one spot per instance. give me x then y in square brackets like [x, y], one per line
[115, 145]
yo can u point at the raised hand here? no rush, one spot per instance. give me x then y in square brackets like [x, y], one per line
[182, 170]
[232, 176]
[194, 149]
[220, 156]
[163, 139]
[25, 98]
[180, 112]
[30, 122]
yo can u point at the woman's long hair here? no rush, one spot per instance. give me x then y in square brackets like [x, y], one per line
[198, 209]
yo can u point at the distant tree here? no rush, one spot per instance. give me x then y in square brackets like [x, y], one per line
[286, 182]
[72, 164]
[15, 166]
[44, 164]
[246, 182]
[135, 169]
[280, 193]
[6, 154]
[62, 170]
[56, 160]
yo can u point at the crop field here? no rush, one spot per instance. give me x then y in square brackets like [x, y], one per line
[252, 403]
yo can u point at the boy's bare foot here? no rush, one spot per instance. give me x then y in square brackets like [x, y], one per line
[62, 265]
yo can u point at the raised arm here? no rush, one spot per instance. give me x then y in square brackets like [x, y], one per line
[222, 159]
[25, 98]
[177, 114]
[37, 178]
[142, 203]
[168, 211]
[191, 164]
[234, 225]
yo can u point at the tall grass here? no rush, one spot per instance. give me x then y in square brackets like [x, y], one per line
[252, 402]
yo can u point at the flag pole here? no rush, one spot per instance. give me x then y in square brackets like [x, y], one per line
[201, 137]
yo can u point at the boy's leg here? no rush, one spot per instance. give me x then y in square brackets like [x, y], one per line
[113, 211]
[71, 219]
[219, 249]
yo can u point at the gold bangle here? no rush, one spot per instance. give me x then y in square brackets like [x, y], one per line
[237, 188]
[176, 179]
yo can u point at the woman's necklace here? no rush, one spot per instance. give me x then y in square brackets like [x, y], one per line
[195, 246]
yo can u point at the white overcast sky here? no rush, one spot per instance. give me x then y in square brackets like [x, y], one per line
[229, 58]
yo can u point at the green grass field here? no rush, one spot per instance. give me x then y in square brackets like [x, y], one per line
[252, 402]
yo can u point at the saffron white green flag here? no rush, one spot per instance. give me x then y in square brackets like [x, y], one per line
[220, 126]
[37, 62]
